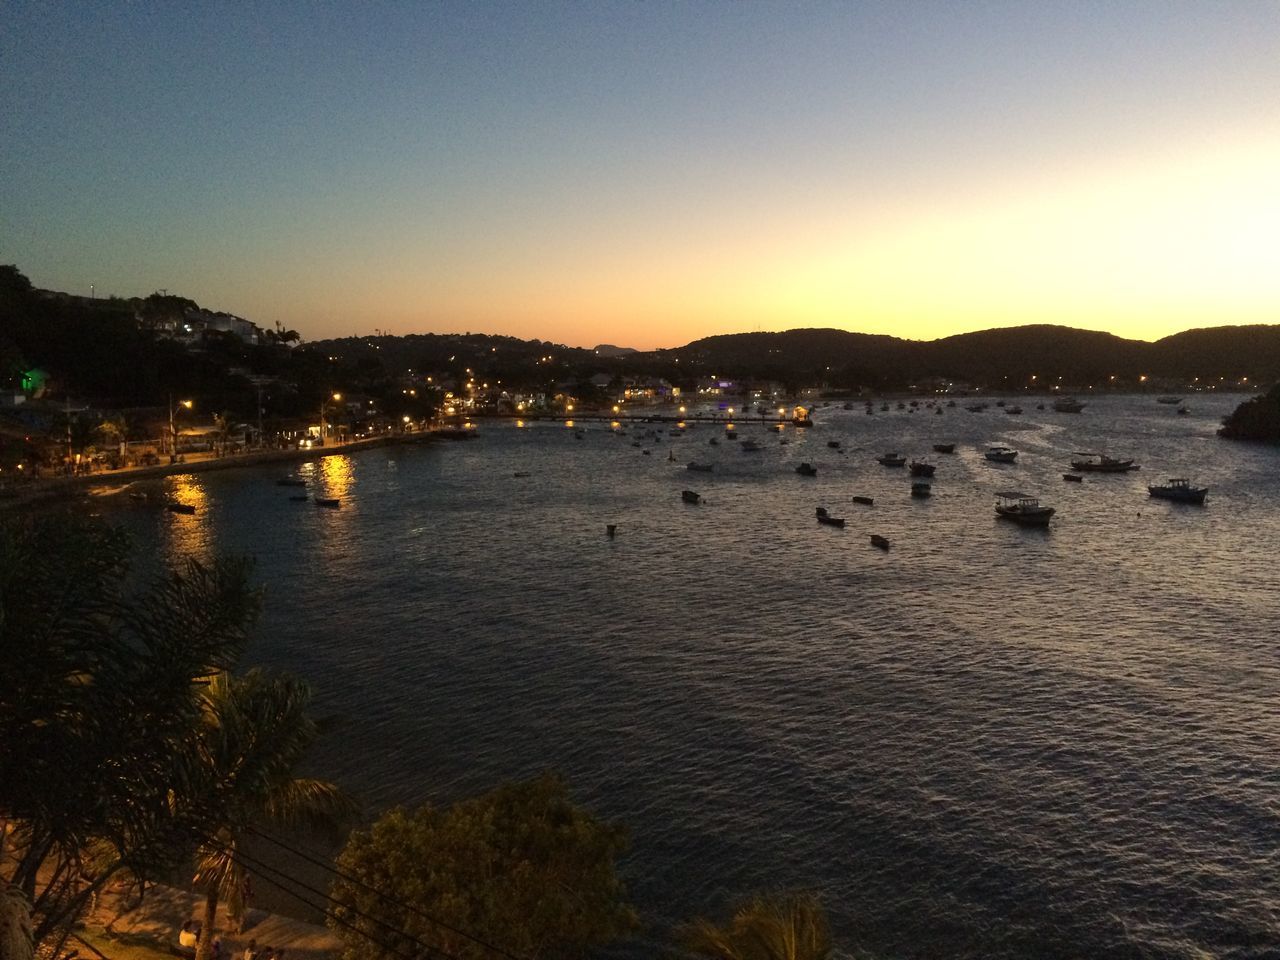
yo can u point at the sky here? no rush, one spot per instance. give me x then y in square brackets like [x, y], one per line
[648, 173]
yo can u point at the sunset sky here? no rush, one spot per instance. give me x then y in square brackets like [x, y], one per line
[649, 173]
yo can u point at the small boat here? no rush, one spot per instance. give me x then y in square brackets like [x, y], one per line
[976, 407]
[865, 500]
[1013, 411]
[802, 421]
[921, 489]
[944, 447]
[1039, 406]
[184, 508]
[920, 468]
[647, 452]
[331, 502]
[688, 496]
[291, 482]
[951, 403]
[1169, 400]
[807, 470]
[749, 446]
[1068, 405]
[937, 410]
[696, 467]
[730, 435]
[1001, 454]
[1022, 509]
[776, 428]
[892, 460]
[833, 444]
[1073, 478]
[879, 541]
[847, 406]
[824, 517]
[1100, 463]
[610, 529]
[901, 405]
[520, 473]
[299, 498]
[1184, 410]
[713, 442]
[1179, 489]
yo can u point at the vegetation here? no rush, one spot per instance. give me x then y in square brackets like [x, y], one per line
[256, 732]
[785, 927]
[126, 745]
[521, 866]
[1255, 419]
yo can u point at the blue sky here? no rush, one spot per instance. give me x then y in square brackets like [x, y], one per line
[649, 173]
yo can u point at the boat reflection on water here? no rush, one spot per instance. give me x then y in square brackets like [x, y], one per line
[189, 534]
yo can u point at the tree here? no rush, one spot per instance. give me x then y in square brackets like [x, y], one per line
[100, 702]
[1258, 418]
[780, 927]
[521, 867]
[256, 731]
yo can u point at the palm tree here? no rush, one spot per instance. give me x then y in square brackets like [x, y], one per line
[256, 731]
[780, 927]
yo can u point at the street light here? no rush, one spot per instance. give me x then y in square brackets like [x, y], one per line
[337, 397]
[173, 428]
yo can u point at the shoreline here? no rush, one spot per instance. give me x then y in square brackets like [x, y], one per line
[53, 489]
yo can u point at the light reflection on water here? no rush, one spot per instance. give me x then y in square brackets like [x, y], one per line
[987, 742]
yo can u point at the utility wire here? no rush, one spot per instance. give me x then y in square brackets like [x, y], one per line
[263, 869]
[385, 896]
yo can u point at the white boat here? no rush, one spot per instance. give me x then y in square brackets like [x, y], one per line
[1068, 405]
[1179, 489]
[1022, 509]
[1101, 463]
[1001, 454]
[892, 460]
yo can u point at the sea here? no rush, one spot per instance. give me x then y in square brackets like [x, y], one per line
[988, 741]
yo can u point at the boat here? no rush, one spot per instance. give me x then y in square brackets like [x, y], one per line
[1099, 463]
[1022, 509]
[830, 521]
[866, 500]
[901, 405]
[1039, 406]
[1001, 454]
[520, 473]
[730, 435]
[879, 541]
[1179, 489]
[920, 468]
[807, 470]
[1073, 478]
[1013, 411]
[944, 447]
[713, 442]
[921, 489]
[937, 410]
[884, 407]
[1169, 400]
[291, 482]
[299, 498]
[749, 446]
[975, 407]
[696, 467]
[802, 421]
[951, 403]
[776, 428]
[892, 460]
[331, 502]
[1068, 405]
[847, 406]
[688, 496]
[833, 444]
[184, 508]
[1184, 410]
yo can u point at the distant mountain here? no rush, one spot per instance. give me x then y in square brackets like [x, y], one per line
[609, 350]
[1052, 354]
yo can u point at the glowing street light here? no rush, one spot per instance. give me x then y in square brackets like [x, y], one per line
[173, 429]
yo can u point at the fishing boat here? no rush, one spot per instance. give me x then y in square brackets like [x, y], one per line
[1013, 411]
[807, 470]
[688, 496]
[892, 460]
[879, 541]
[919, 468]
[696, 467]
[1023, 509]
[830, 521]
[331, 502]
[1100, 463]
[291, 482]
[975, 407]
[833, 444]
[749, 446]
[520, 474]
[1072, 478]
[1179, 489]
[184, 508]
[864, 500]
[921, 489]
[1068, 405]
[1169, 400]
[1001, 454]
[944, 447]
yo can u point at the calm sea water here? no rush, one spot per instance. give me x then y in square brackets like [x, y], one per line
[987, 742]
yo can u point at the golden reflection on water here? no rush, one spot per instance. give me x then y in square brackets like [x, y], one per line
[336, 476]
[188, 535]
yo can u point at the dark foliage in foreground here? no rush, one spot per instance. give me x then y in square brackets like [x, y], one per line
[1255, 419]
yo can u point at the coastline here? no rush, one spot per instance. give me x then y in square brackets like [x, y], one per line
[54, 489]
